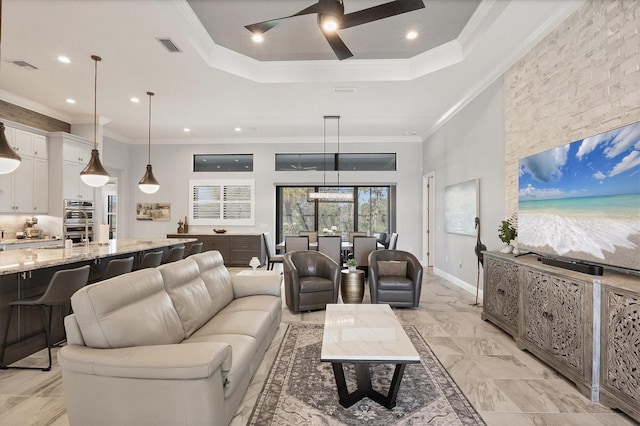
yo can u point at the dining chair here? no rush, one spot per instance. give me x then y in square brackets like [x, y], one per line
[313, 235]
[332, 247]
[117, 267]
[362, 247]
[393, 241]
[272, 256]
[292, 243]
[356, 234]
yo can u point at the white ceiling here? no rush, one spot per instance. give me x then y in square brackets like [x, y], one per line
[216, 83]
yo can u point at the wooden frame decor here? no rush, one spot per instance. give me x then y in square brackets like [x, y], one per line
[222, 202]
[153, 211]
[461, 206]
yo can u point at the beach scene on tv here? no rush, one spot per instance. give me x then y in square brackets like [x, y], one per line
[582, 200]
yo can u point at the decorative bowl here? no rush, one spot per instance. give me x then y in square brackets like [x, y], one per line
[219, 230]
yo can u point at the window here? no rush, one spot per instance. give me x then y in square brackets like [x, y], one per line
[370, 212]
[346, 161]
[219, 202]
[223, 162]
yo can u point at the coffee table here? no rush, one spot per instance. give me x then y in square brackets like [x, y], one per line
[364, 335]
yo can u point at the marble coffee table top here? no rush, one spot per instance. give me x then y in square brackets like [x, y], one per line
[365, 333]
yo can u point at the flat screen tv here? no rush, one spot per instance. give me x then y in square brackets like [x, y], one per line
[581, 201]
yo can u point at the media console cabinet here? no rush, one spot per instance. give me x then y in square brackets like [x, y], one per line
[586, 327]
[236, 249]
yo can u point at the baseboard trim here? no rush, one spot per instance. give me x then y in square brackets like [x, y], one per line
[458, 282]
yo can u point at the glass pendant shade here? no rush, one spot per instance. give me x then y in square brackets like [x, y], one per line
[148, 184]
[9, 160]
[94, 174]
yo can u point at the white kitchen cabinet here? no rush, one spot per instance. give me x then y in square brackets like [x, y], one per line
[68, 156]
[18, 189]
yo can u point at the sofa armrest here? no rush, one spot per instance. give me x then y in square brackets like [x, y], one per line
[252, 285]
[169, 362]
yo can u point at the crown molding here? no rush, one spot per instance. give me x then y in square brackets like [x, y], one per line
[34, 106]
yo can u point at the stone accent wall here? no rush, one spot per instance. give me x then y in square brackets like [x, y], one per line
[581, 80]
[31, 118]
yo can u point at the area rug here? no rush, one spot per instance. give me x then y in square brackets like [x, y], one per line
[301, 390]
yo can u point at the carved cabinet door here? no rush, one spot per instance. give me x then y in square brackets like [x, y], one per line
[492, 302]
[536, 308]
[567, 319]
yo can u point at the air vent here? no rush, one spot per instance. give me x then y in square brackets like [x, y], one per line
[24, 64]
[344, 90]
[169, 44]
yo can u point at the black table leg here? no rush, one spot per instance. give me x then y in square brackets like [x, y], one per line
[363, 379]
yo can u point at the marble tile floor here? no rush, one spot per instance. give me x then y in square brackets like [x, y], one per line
[506, 385]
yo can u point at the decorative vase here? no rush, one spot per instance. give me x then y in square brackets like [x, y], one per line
[352, 268]
[254, 263]
[507, 249]
[515, 250]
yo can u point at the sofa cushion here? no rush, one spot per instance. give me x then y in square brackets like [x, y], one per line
[188, 292]
[216, 278]
[270, 304]
[129, 310]
[250, 323]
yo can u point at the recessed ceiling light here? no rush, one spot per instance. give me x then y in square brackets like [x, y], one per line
[238, 129]
[257, 38]
[71, 101]
[64, 59]
[187, 130]
[135, 100]
[412, 35]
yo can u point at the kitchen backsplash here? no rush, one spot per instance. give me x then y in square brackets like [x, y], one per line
[50, 225]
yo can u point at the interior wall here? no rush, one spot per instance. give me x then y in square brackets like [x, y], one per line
[469, 146]
[172, 166]
[581, 80]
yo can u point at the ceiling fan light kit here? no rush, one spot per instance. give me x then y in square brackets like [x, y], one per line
[331, 17]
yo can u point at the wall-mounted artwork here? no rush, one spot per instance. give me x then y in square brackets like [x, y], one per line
[582, 200]
[153, 211]
[461, 207]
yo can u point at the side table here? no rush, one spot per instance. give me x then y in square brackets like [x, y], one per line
[352, 286]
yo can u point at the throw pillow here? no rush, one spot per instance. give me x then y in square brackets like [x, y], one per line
[392, 267]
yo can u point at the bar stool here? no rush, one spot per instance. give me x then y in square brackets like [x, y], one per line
[61, 286]
[176, 253]
[195, 248]
[118, 267]
[151, 260]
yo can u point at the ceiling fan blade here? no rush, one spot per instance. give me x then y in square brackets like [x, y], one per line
[339, 48]
[382, 11]
[263, 27]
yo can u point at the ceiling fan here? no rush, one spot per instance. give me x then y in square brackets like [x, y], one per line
[331, 17]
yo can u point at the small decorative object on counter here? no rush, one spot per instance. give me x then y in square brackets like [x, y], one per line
[186, 225]
[254, 263]
[180, 227]
[352, 264]
[219, 230]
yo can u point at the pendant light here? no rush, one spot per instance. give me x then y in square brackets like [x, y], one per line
[148, 184]
[9, 160]
[94, 174]
[334, 196]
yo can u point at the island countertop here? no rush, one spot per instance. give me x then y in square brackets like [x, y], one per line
[16, 261]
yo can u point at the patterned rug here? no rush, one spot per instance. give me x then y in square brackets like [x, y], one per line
[301, 390]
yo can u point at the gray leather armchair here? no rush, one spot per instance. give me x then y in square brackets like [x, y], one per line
[311, 280]
[395, 277]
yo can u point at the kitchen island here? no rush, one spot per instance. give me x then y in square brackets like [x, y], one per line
[25, 273]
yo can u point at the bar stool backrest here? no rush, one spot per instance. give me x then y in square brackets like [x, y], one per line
[195, 248]
[118, 267]
[176, 253]
[151, 260]
[62, 286]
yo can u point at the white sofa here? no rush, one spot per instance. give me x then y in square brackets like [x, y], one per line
[174, 345]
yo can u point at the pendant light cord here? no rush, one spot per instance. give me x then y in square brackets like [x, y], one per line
[95, 101]
[149, 151]
[324, 157]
